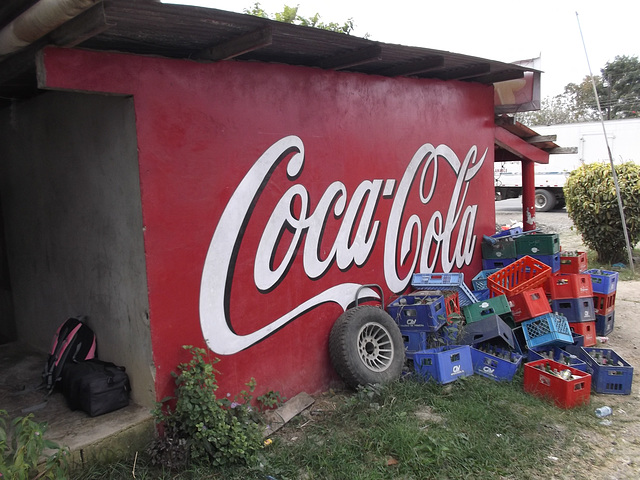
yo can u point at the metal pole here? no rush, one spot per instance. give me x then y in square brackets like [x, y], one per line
[613, 169]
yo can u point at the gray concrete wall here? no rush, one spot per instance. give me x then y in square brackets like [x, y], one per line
[70, 191]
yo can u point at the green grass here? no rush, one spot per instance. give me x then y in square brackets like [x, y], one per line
[624, 274]
[472, 428]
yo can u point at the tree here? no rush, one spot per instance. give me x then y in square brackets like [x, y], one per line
[621, 87]
[290, 15]
[618, 89]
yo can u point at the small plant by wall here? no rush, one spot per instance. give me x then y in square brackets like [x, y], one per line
[22, 446]
[200, 428]
[593, 207]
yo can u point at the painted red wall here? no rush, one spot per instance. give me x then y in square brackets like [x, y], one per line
[271, 192]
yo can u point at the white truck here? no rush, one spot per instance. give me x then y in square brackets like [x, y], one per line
[624, 141]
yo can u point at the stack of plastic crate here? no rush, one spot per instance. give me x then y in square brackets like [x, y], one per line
[544, 247]
[419, 315]
[572, 296]
[498, 252]
[605, 285]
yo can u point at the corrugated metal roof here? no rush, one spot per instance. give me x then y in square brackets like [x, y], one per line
[178, 31]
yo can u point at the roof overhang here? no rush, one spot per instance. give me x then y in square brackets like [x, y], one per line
[205, 34]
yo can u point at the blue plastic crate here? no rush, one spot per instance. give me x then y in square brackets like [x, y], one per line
[414, 340]
[575, 309]
[578, 340]
[615, 377]
[444, 364]
[479, 282]
[419, 310]
[603, 281]
[547, 329]
[605, 324]
[496, 264]
[444, 281]
[557, 354]
[482, 294]
[552, 260]
[495, 362]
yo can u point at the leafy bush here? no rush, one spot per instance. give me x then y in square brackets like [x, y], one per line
[593, 206]
[21, 448]
[201, 428]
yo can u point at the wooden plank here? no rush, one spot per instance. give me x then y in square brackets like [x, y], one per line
[564, 150]
[86, 25]
[514, 144]
[353, 58]
[541, 139]
[242, 44]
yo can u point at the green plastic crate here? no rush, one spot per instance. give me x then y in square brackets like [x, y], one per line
[503, 248]
[491, 306]
[538, 244]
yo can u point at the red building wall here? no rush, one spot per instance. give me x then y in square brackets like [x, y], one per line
[270, 193]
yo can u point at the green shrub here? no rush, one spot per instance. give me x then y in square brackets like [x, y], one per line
[593, 207]
[21, 448]
[201, 428]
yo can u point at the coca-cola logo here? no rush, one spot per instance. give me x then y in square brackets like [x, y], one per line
[356, 237]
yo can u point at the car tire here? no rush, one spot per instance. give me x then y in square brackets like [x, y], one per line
[366, 347]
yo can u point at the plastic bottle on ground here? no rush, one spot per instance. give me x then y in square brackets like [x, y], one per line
[603, 412]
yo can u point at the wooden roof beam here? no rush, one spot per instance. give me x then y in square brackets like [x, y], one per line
[500, 76]
[462, 73]
[353, 58]
[414, 68]
[238, 46]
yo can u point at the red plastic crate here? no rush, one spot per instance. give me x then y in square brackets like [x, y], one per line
[523, 274]
[604, 304]
[587, 330]
[451, 302]
[529, 304]
[573, 264]
[574, 285]
[564, 393]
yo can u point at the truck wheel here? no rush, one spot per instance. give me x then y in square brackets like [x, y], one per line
[545, 200]
[366, 347]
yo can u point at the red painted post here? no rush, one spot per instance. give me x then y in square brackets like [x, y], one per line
[528, 195]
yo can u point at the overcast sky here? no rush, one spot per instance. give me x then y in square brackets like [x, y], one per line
[503, 30]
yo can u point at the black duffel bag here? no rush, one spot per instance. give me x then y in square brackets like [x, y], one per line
[95, 387]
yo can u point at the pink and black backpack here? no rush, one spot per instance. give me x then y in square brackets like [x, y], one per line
[74, 341]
